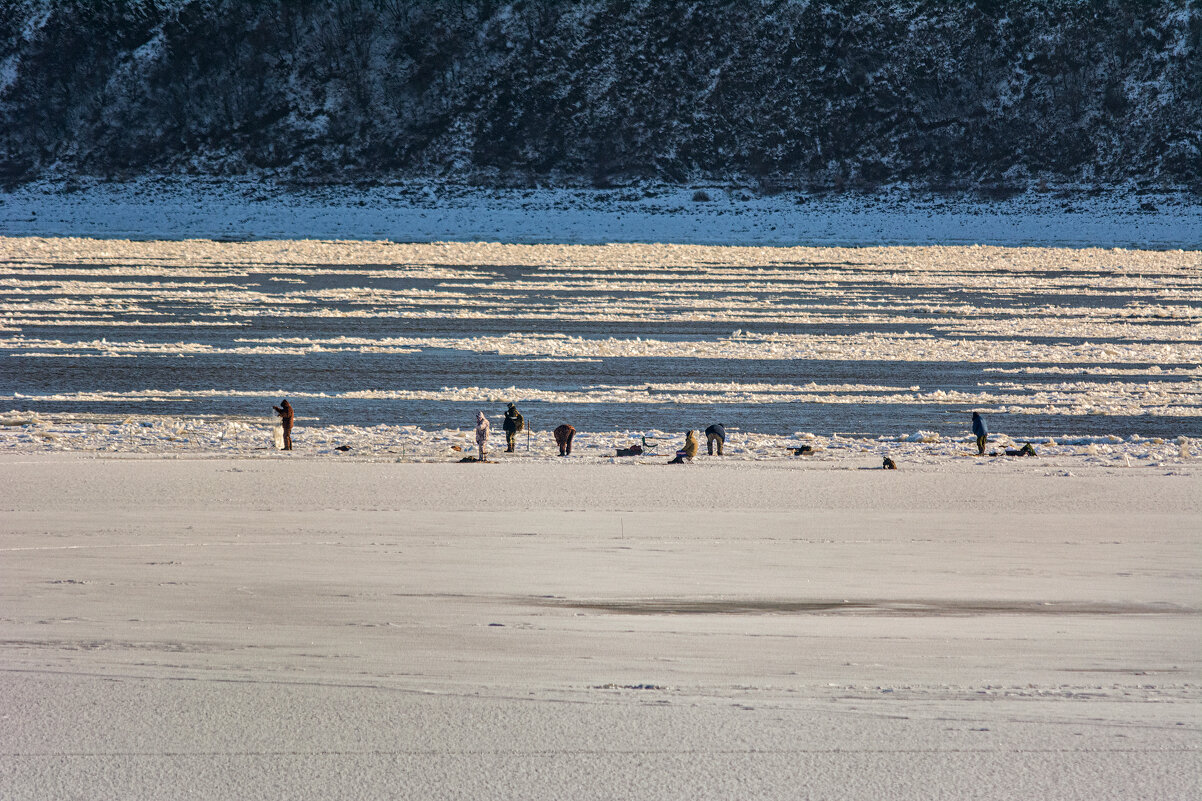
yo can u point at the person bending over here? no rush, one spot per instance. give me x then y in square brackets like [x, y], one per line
[715, 433]
[980, 432]
[563, 438]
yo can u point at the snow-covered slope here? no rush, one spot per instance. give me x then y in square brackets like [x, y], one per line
[765, 94]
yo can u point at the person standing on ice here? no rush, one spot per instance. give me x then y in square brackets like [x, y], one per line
[512, 425]
[284, 410]
[563, 438]
[482, 430]
[715, 433]
[980, 432]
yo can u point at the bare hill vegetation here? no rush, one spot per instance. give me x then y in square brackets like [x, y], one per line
[770, 94]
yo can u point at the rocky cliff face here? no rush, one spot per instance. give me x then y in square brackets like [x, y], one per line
[772, 93]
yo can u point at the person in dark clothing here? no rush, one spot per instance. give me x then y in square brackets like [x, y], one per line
[284, 410]
[715, 433]
[563, 438]
[512, 424]
[980, 432]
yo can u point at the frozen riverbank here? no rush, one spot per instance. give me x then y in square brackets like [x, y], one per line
[240, 438]
[241, 209]
[964, 629]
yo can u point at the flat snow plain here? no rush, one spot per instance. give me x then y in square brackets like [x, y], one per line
[187, 614]
[298, 627]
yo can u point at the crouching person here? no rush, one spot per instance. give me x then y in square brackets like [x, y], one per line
[563, 438]
[689, 450]
[715, 433]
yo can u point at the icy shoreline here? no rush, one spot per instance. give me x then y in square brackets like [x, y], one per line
[170, 437]
[172, 207]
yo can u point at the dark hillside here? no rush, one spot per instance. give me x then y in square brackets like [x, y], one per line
[847, 93]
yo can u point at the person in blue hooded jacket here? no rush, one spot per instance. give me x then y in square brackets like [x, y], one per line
[715, 433]
[980, 432]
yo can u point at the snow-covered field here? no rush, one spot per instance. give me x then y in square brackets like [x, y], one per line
[189, 613]
[173, 207]
[316, 627]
